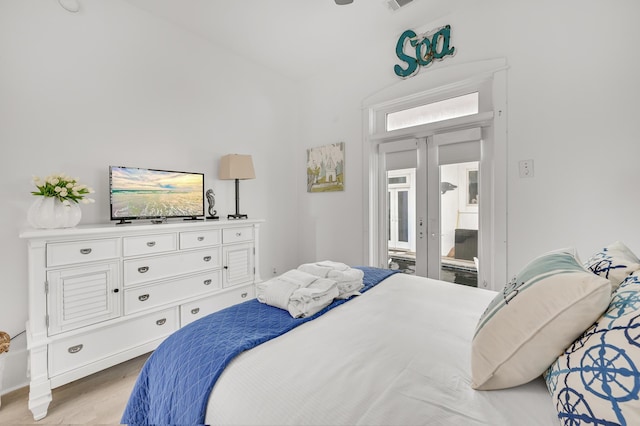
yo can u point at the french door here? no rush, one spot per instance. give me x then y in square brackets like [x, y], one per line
[433, 205]
[454, 202]
[425, 123]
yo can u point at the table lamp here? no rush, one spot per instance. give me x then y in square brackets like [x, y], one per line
[236, 166]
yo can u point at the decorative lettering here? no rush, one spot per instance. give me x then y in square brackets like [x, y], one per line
[425, 49]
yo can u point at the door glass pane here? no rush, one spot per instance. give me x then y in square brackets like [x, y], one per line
[397, 180]
[401, 219]
[459, 200]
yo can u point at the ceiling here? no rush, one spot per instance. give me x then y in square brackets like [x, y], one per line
[296, 38]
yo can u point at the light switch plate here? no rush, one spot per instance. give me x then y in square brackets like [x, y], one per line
[526, 168]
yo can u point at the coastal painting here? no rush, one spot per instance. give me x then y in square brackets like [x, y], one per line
[325, 168]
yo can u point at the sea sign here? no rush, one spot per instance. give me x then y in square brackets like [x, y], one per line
[425, 50]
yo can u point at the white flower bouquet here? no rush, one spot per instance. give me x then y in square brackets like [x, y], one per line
[64, 188]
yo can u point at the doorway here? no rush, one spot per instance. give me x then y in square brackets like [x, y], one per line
[433, 205]
[434, 147]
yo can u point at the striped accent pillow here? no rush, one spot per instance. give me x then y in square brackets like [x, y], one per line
[544, 308]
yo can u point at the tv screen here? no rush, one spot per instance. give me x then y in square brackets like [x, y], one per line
[138, 193]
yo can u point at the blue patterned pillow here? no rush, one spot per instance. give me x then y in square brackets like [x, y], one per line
[596, 380]
[614, 262]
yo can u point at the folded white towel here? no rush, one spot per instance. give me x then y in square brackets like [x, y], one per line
[347, 275]
[315, 269]
[349, 280]
[346, 289]
[298, 277]
[337, 266]
[277, 291]
[323, 268]
[307, 301]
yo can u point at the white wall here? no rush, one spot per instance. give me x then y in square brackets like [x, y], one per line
[572, 108]
[114, 85]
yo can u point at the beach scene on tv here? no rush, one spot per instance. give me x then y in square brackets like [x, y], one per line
[144, 193]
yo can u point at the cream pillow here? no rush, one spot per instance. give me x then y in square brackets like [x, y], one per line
[540, 312]
[614, 262]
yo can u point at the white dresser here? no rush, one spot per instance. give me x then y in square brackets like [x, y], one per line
[102, 294]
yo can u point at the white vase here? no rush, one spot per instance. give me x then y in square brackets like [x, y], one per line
[49, 212]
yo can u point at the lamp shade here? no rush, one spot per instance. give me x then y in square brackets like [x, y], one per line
[236, 166]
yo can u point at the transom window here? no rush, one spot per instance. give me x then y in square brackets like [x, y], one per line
[458, 106]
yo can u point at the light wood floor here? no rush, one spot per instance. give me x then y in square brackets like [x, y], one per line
[96, 399]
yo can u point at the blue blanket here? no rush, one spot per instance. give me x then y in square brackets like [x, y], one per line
[174, 385]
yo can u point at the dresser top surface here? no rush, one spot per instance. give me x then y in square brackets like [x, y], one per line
[134, 228]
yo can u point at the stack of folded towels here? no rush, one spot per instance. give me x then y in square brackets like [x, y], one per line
[310, 288]
[349, 280]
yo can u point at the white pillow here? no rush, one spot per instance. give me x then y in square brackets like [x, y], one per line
[537, 315]
[614, 262]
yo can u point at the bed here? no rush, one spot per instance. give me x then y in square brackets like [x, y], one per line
[399, 354]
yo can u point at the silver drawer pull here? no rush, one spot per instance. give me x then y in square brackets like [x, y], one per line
[85, 251]
[143, 269]
[200, 238]
[151, 243]
[75, 349]
[207, 282]
[143, 297]
[243, 295]
[195, 311]
[161, 321]
[238, 234]
[206, 258]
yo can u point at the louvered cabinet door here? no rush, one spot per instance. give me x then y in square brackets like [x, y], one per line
[237, 264]
[81, 296]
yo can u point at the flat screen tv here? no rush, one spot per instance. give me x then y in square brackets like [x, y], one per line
[137, 193]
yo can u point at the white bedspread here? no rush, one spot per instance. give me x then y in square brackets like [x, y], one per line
[397, 355]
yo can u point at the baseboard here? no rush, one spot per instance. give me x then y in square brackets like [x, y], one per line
[15, 371]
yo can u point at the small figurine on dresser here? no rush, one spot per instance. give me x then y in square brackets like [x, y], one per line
[212, 202]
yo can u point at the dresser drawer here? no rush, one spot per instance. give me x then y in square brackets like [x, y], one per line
[149, 296]
[236, 235]
[199, 239]
[137, 271]
[148, 244]
[190, 312]
[67, 253]
[73, 352]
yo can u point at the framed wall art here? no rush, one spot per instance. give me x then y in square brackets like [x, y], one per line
[325, 168]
